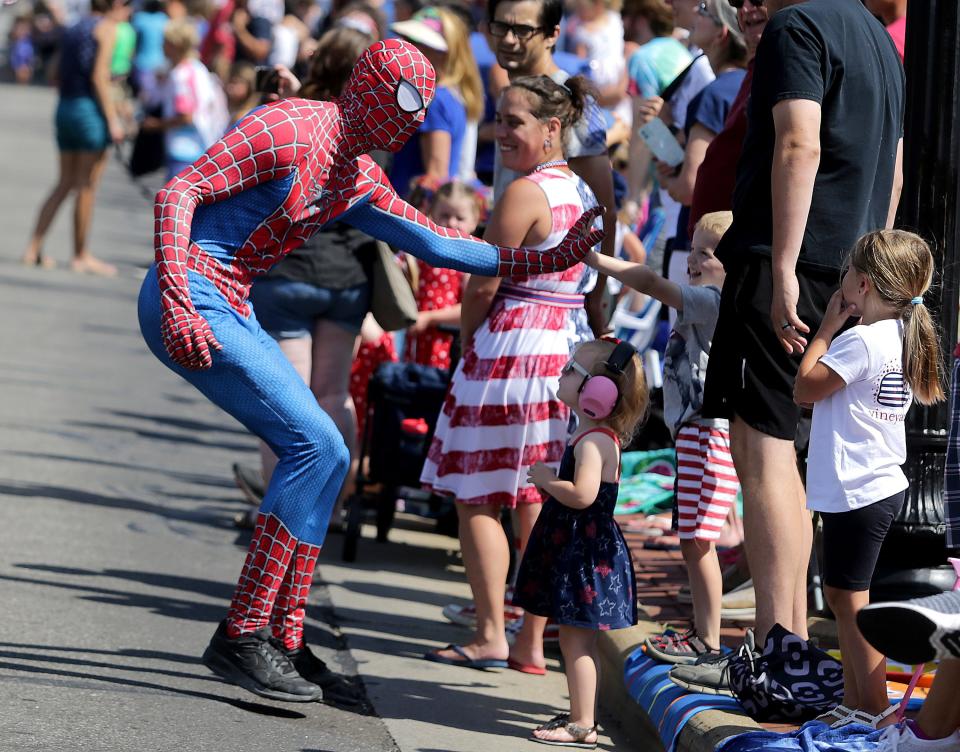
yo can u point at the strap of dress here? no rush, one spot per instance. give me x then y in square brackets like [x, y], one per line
[609, 432]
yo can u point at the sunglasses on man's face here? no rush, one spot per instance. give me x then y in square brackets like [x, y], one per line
[522, 32]
[738, 4]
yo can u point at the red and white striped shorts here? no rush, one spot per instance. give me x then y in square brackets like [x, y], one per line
[706, 481]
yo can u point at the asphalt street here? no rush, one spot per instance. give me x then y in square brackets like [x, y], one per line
[117, 550]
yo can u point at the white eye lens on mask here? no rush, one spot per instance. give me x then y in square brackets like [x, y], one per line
[408, 98]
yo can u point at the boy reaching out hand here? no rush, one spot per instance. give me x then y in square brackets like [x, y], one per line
[706, 480]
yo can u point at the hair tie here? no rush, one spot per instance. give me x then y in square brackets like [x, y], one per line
[917, 300]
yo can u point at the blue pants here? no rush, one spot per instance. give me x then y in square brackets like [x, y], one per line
[253, 381]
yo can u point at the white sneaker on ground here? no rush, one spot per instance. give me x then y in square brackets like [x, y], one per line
[901, 738]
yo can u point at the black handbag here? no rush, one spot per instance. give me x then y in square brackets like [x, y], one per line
[791, 680]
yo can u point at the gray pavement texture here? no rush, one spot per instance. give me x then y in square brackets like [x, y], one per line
[117, 550]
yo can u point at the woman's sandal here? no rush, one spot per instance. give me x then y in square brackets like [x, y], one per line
[578, 736]
[863, 718]
[836, 716]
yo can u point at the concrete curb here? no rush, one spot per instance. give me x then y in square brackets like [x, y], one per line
[701, 734]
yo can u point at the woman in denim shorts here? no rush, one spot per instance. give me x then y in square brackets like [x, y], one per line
[313, 303]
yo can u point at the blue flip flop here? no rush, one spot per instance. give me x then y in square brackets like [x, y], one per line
[478, 663]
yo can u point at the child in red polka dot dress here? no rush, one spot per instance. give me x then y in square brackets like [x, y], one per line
[458, 206]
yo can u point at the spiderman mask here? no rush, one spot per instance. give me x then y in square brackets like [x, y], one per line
[386, 97]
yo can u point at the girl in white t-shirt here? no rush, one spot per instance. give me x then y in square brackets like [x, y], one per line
[861, 384]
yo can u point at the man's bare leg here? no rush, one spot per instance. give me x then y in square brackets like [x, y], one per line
[776, 526]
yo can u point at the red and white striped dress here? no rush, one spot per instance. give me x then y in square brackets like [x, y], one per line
[502, 414]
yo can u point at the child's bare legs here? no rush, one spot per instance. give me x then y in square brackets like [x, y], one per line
[528, 646]
[579, 648]
[706, 587]
[864, 669]
[486, 559]
[940, 715]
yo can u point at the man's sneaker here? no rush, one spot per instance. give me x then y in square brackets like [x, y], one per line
[709, 675]
[901, 738]
[740, 604]
[253, 662]
[916, 631]
[250, 481]
[336, 689]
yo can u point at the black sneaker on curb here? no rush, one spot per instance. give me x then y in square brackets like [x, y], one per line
[250, 481]
[710, 674]
[254, 663]
[336, 689]
[915, 631]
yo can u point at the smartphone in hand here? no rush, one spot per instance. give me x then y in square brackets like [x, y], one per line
[661, 142]
[267, 79]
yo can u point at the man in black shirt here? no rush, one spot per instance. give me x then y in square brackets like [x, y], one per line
[820, 166]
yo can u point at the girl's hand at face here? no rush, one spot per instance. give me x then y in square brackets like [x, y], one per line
[836, 315]
[541, 474]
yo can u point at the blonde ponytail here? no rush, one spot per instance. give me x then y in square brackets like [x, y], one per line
[900, 266]
[922, 361]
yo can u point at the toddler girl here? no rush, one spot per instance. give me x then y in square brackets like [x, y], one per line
[577, 568]
[861, 384]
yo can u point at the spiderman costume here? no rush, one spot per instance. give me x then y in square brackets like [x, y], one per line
[281, 174]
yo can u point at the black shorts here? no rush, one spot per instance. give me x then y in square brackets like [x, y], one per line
[749, 374]
[852, 540]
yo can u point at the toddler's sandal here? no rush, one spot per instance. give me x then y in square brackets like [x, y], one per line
[578, 737]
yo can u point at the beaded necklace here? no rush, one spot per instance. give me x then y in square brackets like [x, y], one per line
[547, 165]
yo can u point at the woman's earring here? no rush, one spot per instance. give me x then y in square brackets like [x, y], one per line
[547, 144]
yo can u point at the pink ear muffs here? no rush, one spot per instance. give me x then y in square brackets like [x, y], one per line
[599, 394]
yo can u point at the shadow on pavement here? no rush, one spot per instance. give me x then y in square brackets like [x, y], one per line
[184, 423]
[251, 707]
[203, 515]
[399, 593]
[418, 701]
[199, 479]
[162, 436]
[178, 608]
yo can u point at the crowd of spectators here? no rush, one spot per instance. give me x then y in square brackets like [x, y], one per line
[668, 135]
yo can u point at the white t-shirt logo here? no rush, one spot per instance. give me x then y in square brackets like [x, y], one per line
[891, 391]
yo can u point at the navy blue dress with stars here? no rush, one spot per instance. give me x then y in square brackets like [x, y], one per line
[577, 568]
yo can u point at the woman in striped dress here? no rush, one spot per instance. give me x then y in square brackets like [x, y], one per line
[502, 413]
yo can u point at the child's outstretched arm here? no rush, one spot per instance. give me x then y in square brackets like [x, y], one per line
[593, 454]
[639, 277]
[816, 381]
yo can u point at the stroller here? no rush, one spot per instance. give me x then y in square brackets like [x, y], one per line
[403, 403]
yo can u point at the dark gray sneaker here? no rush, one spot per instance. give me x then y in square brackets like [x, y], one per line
[337, 690]
[254, 663]
[710, 674]
[915, 631]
